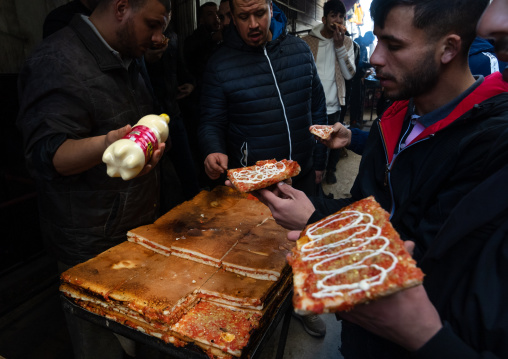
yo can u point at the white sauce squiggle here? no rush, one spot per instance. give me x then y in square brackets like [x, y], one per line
[264, 172]
[314, 250]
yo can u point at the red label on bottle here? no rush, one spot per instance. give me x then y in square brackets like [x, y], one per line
[144, 138]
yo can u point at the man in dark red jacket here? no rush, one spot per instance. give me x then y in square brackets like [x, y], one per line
[436, 161]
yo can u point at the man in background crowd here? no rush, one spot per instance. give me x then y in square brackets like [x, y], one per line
[334, 55]
[224, 14]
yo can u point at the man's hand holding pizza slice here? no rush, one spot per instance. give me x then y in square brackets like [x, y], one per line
[334, 137]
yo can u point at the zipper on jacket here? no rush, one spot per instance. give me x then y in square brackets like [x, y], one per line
[389, 166]
[387, 169]
[244, 150]
[282, 103]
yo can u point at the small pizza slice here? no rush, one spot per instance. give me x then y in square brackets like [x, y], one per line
[341, 27]
[322, 131]
[262, 174]
[224, 327]
[348, 258]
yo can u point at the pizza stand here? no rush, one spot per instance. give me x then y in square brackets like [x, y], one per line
[145, 286]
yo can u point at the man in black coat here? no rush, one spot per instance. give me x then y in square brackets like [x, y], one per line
[436, 161]
[261, 93]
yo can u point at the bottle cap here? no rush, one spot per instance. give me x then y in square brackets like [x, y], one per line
[165, 117]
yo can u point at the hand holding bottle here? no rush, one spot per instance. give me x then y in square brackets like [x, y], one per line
[128, 156]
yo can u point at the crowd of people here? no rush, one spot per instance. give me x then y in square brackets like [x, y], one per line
[243, 89]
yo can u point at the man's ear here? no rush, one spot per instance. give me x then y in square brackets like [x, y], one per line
[121, 7]
[451, 47]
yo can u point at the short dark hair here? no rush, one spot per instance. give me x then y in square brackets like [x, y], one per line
[232, 6]
[437, 17]
[137, 4]
[334, 6]
[201, 10]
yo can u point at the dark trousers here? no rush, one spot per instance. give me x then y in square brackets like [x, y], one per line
[333, 155]
[357, 103]
[306, 182]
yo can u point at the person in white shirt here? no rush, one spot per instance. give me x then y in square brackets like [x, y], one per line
[333, 52]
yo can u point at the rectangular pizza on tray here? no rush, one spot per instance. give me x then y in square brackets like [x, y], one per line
[211, 272]
[348, 258]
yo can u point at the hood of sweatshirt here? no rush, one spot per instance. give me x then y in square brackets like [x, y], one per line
[316, 32]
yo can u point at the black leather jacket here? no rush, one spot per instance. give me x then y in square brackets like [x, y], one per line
[74, 87]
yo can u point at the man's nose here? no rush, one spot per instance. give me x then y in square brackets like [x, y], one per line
[253, 23]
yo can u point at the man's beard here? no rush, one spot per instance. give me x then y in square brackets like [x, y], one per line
[127, 40]
[420, 81]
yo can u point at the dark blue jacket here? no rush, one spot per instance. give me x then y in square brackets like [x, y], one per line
[482, 58]
[244, 105]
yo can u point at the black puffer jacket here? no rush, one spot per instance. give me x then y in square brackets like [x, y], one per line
[431, 189]
[73, 87]
[242, 113]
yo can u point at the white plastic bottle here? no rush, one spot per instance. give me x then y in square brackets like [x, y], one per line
[126, 157]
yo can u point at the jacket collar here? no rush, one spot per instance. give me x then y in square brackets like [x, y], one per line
[106, 60]
[392, 120]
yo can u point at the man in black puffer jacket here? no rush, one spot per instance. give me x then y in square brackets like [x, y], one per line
[260, 94]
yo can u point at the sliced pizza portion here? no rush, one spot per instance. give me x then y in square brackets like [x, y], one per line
[237, 290]
[205, 228]
[224, 327]
[164, 291]
[262, 174]
[261, 253]
[322, 131]
[348, 258]
[110, 269]
[210, 241]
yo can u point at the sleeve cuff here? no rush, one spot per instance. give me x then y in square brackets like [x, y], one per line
[43, 153]
[445, 344]
[358, 139]
[341, 52]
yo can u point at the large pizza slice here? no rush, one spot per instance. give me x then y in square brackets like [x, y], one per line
[262, 174]
[350, 257]
[322, 131]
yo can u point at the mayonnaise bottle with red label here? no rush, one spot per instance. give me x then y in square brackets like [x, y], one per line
[127, 156]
